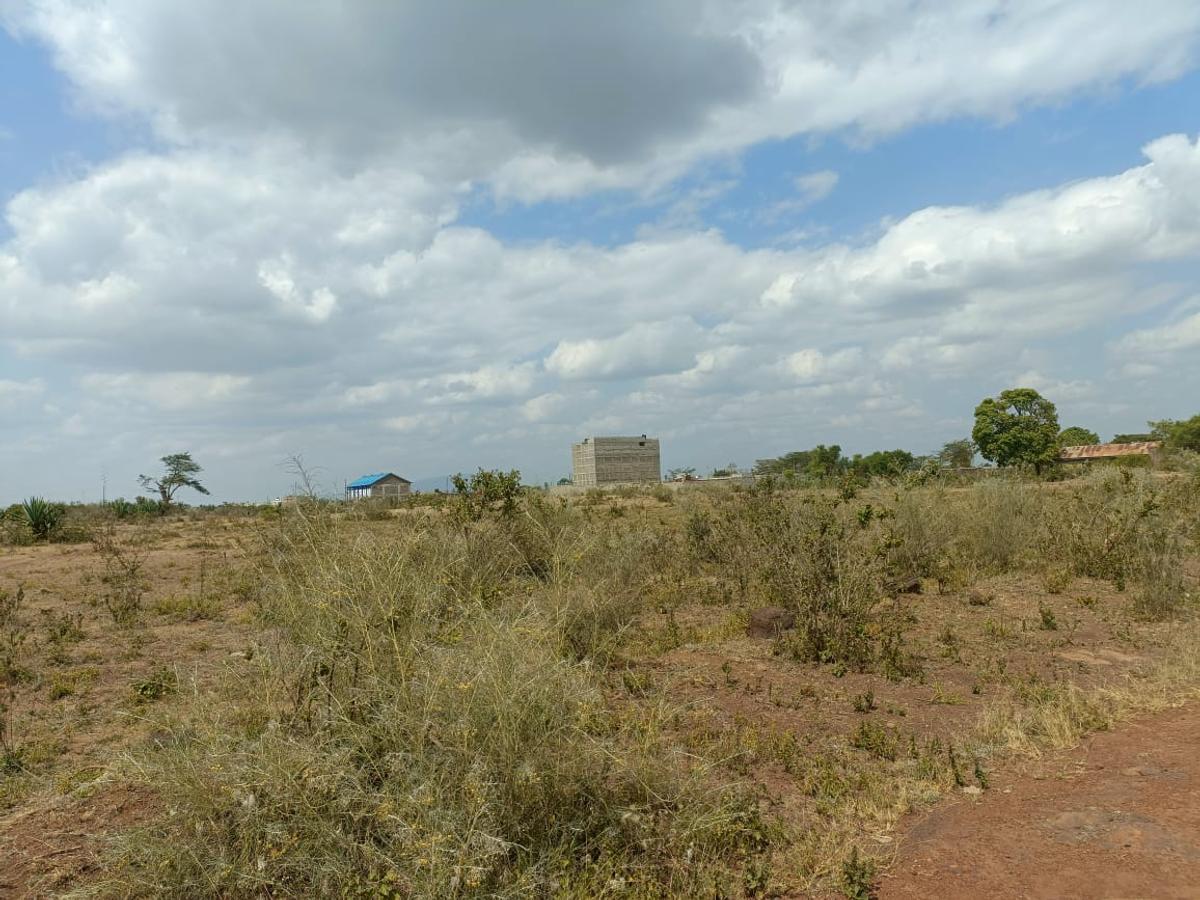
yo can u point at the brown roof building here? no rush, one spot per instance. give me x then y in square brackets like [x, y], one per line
[1086, 452]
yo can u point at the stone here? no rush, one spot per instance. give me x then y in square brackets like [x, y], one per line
[904, 585]
[770, 621]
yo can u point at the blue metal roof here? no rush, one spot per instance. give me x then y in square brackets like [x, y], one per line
[367, 480]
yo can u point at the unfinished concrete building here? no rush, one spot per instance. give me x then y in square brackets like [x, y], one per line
[598, 461]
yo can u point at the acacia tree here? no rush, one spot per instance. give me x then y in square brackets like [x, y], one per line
[958, 454]
[180, 471]
[1076, 436]
[1019, 427]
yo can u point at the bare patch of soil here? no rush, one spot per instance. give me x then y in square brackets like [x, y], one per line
[1118, 817]
[49, 845]
[86, 687]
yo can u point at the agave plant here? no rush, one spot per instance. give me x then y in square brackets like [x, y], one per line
[43, 517]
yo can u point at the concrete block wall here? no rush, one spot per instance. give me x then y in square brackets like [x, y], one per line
[597, 461]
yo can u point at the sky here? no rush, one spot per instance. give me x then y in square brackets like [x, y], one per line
[432, 237]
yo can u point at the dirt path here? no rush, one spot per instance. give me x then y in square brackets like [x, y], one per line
[1117, 818]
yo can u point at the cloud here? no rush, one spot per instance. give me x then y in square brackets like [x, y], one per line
[287, 269]
[813, 366]
[318, 304]
[1163, 340]
[551, 99]
[1058, 389]
[816, 185]
[543, 406]
[13, 391]
[487, 383]
[169, 390]
[146, 277]
[359, 81]
[810, 189]
[644, 349]
[1043, 262]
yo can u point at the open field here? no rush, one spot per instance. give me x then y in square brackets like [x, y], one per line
[533, 696]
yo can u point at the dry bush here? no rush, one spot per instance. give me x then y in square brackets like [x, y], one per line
[1124, 525]
[819, 555]
[124, 579]
[1127, 526]
[415, 731]
[923, 529]
[997, 523]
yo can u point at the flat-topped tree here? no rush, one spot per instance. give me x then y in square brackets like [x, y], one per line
[181, 471]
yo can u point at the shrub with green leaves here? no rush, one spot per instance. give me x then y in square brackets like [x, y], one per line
[42, 517]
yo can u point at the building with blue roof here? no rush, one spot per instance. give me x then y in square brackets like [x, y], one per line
[379, 484]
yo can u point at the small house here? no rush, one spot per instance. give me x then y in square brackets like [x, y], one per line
[380, 484]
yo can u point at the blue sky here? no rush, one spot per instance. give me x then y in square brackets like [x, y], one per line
[43, 137]
[418, 240]
[961, 161]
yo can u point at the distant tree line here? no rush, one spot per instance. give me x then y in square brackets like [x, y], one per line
[1018, 427]
[822, 461]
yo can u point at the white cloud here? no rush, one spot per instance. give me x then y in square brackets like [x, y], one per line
[812, 365]
[534, 100]
[487, 383]
[275, 276]
[169, 390]
[288, 271]
[990, 263]
[652, 348]
[810, 189]
[1058, 389]
[13, 391]
[543, 406]
[1149, 344]
[816, 185]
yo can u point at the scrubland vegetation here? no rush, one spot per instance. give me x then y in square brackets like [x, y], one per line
[504, 693]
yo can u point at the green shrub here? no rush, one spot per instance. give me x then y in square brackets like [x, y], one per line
[154, 687]
[42, 517]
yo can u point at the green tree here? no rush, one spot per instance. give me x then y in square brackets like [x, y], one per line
[1132, 438]
[1076, 436]
[815, 463]
[824, 460]
[180, 472]
[795, 462]
[486, 490]
[1178, 434]
[1019, 427]
[884, 463]
[957, 454]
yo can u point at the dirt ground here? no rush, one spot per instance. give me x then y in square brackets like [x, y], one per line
[1117, 818]
[86, 687]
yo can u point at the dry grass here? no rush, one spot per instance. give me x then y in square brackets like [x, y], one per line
[557, 698]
